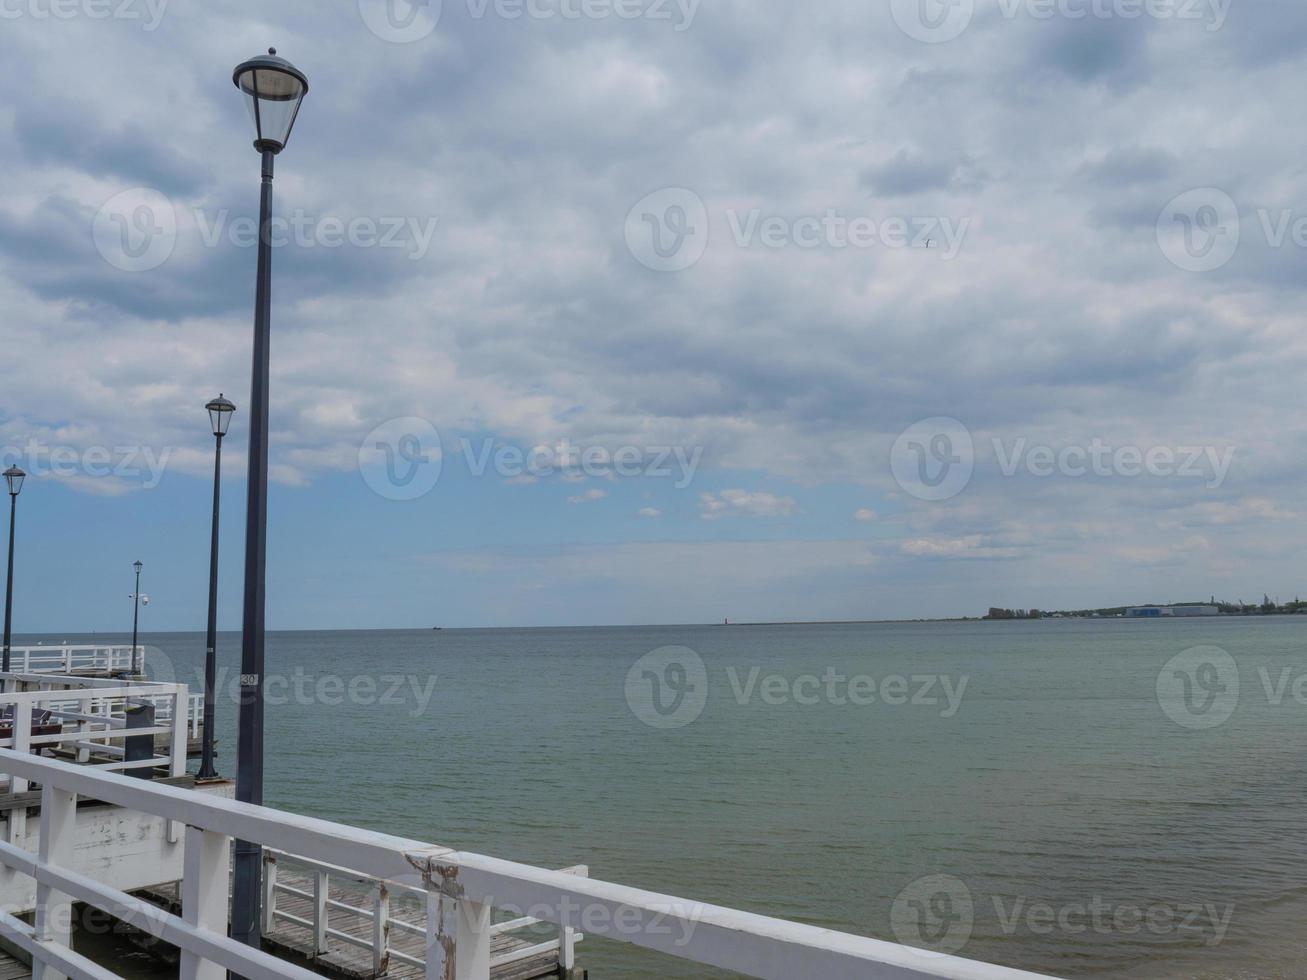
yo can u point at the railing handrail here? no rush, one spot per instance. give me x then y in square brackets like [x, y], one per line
[458, 937]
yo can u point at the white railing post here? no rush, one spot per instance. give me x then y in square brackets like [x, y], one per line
[54, 909]
[23, 744]
[458, 937]
[205, 895]
[567, 948]
[84, 707]
[380, 929]
[321, 911]
[269, 893]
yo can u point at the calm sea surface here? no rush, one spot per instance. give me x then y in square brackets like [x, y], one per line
[1082, 825]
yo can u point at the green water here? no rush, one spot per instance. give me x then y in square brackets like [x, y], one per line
[1053, 784]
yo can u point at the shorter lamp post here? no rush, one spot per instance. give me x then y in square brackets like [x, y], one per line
[14, 478]
[220, 412]
[136, 614]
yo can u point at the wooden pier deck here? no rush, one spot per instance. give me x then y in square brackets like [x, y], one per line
[12, 969]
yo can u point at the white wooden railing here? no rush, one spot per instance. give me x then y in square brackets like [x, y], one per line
[74, 658]
[89, 718]
[459, 888]
[380, 921]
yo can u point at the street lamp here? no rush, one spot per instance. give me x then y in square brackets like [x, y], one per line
[136, 615]
[14, 478]
[220, 412]
[273, 89]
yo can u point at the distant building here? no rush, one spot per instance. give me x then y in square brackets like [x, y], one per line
[1157, 612]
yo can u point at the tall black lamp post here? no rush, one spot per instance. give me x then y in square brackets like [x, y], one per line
[136, 616]
[273, 89]
[14, 478]
[220, 411]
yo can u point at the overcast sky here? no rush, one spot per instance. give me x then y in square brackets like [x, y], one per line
[822, 310]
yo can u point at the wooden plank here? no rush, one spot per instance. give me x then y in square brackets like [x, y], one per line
[11, 969]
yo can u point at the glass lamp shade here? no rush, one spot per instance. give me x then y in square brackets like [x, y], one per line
[15, 477]
[273, 89]
[138, 566]
[220, 412]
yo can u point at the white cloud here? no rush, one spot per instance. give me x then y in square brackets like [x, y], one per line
[745, 503]
[589, 497]
[649, 512]
[865, 516]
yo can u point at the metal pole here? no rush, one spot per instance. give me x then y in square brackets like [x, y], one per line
[207, 770]
[136, 615]
[9, 584]
[249, 766]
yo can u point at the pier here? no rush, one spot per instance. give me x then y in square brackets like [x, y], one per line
[81, 826]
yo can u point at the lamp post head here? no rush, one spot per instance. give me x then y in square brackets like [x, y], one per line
[138, 566]
[15, 477]
[273, 89]
[220, 412]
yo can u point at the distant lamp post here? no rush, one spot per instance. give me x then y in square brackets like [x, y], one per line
[220, 412]
[14, 477]
[273, 89]
[136, 616]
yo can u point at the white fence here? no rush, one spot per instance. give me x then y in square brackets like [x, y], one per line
[74, 659]
[459, 889]
[86, 719]
[377, 939]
